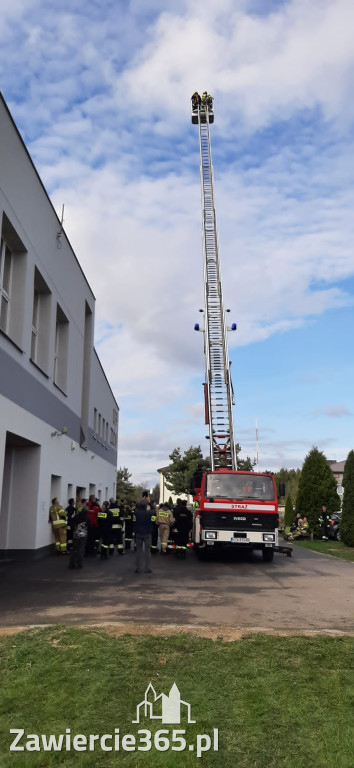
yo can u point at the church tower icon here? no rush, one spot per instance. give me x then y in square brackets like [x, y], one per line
[171, 706]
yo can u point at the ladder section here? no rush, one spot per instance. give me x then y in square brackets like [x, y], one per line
[219, 387]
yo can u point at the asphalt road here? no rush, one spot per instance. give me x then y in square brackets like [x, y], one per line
[308, 592]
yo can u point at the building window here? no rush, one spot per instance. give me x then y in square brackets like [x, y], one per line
[99, 425]
[95, 420]
[5, 284]
[40, 332]
[106, 435]
[61, 349]
[113, 440]
[35, 318]
[103, 428]
[12, 282]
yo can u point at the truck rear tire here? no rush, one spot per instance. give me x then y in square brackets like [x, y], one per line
[268, 554]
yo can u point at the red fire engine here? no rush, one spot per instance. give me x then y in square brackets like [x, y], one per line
[232, 508]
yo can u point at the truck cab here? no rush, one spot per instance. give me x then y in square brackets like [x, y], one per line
[236, 509]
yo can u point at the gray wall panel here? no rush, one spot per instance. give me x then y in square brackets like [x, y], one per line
[19, 386]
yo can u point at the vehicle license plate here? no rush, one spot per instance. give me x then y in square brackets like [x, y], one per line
[237, 540]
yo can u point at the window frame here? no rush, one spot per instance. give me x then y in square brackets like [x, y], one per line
[5, 292]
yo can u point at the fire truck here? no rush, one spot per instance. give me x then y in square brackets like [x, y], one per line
[231, 508]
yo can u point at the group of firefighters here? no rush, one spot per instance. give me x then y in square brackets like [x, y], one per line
[201, 101]
[102, 529]
[299, 529]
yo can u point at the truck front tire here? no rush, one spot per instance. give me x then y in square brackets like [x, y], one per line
[268, 554]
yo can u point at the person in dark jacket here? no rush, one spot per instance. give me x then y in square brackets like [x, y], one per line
[104, 519]
[117, 528]
[92, 540]
[182, 526]
[196, 101]
[324, 521]
[70, 512]
[81, 525]
[128, 516]
[142, 530]
[154, 529]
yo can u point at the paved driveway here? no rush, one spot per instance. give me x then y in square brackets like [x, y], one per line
[306, 592]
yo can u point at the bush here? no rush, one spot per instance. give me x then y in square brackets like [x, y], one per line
[347, 523]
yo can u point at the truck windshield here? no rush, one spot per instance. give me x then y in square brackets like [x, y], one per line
[239, 486]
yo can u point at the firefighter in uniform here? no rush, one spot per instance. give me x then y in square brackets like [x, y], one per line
[117, 528]
[301, 531]
[154, 529]
[164, 521]
[174, 529]
[182, 527]
[128, 516]
[324, 521]
[104, 520]
[57, 517]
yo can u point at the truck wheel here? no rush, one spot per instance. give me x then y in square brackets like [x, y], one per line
[201, 553]
[268, 554]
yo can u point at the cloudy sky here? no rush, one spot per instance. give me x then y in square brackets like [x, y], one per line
[100, 91]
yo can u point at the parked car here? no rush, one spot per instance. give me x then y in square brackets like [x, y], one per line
[334, 527]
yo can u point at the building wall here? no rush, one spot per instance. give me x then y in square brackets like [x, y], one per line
[51, 377]
[165, 493]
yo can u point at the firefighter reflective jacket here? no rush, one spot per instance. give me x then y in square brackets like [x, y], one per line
[117, 519]
[57, 516]
[164, 516]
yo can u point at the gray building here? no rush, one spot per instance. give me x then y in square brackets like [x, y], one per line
[337, 468]
[58, 415]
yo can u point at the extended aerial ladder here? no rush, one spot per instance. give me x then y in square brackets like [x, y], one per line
[218, 391]
[231, 508]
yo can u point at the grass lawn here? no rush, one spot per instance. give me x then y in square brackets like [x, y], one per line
[336, 548]
[277, 702]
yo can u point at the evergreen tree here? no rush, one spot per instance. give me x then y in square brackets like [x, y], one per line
[317, 486]
[125, 490]
[290, 478]
[289, 512]
[182, 468]
[243, 464]
[347, 524]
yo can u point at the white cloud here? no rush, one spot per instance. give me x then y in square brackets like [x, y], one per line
[334, 412]
[101, 94]
[259, 67]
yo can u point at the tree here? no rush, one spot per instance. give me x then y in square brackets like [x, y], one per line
[243, 464]
[290, 478]
[155, 496]
[317, 486]
[347, 523]
[289, 512]
[182, 468]
[125, 490]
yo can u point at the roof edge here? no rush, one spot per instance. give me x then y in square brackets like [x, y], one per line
[2, 100]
